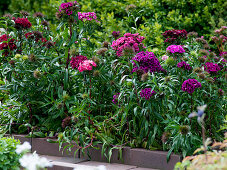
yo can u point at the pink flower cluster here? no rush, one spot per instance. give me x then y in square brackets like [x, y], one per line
[86, 65]
[75, 61]
[129, 40]
[87, 16]
[22, 23]
[211, 67]
[190, 85]
[175, 49]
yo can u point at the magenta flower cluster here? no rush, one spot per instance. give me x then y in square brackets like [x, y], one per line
[190, 85]
[87, 16]
[147, 62]
[147, 93]
[211, 67]
[174, 36]
[129, 40]
[175, 49]
[75, 61]
[68, 7]
[223, 53]
[115, 98]
[184, 65]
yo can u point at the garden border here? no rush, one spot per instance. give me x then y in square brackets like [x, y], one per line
[131, 156]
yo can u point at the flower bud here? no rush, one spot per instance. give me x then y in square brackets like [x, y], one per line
[32, 57]
[85, 96]
[96, 73]
[17, 56]
[220, 92]
[203, 52]
[144, 77]
[170, 61]
[105, 44]
[60, 105]
[202, 59]
[102, 51]
[25, 57]
[66, 122]
[37, 74]
[165, 137]
[184, 129]
[60, 135]
[65, 97]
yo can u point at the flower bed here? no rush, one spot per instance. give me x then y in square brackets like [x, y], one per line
[60, 85]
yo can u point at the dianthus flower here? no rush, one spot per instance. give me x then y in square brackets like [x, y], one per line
[75, 61]
[6, 46]
[223, 53]
[175, 49]
[184, 65]
[211, 67]
[190, 85]
[115, 98]
[174, 35]
[129, 40]
[87, 16]
[22, 23]
[67, 8]
[147, 93]
[147, 62]
[86, 65]
[4, 37]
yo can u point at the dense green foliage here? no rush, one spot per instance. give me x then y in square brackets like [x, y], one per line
[43, 95]
[149, 18]
[9, 159]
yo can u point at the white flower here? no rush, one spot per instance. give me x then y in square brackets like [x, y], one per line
[83, 167]
[34, 162]
[24, 147]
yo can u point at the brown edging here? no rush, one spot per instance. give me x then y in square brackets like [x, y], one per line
[131, 156]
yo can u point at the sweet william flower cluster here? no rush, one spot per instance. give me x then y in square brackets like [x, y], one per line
[175, 49]
[184, 65]
[147, 62]
[211, 67]
[7, 44]
[86, 65]
[190, 85]
[75, 61]
[133, 41]
[87, 16]
[147, 93]
[68, 8]
[22, 23]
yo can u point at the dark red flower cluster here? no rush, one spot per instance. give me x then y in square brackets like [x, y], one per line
[37, 36]
[7, 44]
[75, 61]
[22, 23]
[174, 36]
